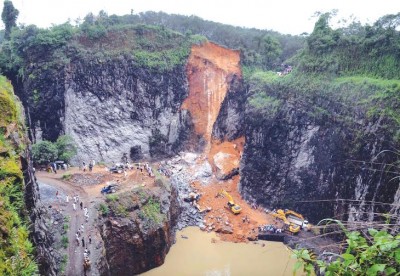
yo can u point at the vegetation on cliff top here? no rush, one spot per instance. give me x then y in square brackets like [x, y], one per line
[98, 39]
[139, 204]
[16, 251]
[346, 78]
[340, 73]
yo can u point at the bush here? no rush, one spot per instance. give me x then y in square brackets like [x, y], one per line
[63, 149]
[64, 241]
[66, 176]
[66, 148]
[375, 252]
[44, 151]
[104, 209]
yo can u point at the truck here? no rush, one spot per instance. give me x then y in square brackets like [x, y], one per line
[297, 219]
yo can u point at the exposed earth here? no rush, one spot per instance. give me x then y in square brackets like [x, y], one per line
[87, 185]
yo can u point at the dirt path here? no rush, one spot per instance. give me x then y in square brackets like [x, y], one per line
[76, 219]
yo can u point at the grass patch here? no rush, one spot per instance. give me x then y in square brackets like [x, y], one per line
[66, 176]
[112, 198]
[64, 241]
[66, 227]
[63, 264]
[104, 210]
[152, 210]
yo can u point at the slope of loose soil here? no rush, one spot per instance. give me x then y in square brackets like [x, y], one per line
[208, 69]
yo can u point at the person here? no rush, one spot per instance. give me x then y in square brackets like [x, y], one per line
[54, 165]
[84, 166]
[83, 242]
[67, 198]
[81, 204]
[74, 206]
[90, 239]
[90, 166]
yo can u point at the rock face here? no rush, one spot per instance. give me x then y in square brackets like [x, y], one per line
[47, 258]
[114, 108]
[294, 160]
[136, 243]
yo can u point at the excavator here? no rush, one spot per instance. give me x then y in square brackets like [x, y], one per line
[291, 227]
[236, 209]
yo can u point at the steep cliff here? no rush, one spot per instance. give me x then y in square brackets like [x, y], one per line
[326, 152]
[139, 230]
[117, 94]
[19, 198]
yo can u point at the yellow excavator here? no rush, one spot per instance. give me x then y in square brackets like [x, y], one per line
[291, 227]
[236, 209]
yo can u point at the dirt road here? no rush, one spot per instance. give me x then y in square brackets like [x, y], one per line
[76, 219]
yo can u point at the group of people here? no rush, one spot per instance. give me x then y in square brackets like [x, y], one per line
[53, 167]
[90, 165]
[80, 234]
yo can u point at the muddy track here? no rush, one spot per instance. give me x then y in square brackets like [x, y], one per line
[75, 253]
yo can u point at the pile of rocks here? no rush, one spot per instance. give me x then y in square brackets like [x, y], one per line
[87, 179]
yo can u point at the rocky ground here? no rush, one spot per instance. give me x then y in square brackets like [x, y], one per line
[187, 172]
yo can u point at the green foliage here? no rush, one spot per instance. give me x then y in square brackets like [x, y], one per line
[104, 210]
[63, 264]
[354, 50]
[9, 16]
[16, 250]
[112, 198]
[66, 227]
[8, 106]
[346, 99]
[66, 148]
[66, 176]
[64, 241]
[152, 210]
[44, 152]
[63, 149]
[374, 253]
[264, 103]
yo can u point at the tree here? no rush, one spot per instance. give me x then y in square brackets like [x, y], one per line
[9, 17]
[66, 148]
[44, 151]
[271, 49]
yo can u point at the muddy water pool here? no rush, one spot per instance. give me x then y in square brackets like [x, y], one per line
[197, 255]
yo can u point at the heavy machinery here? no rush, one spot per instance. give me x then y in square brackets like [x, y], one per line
[297, 219]
[291, 227]
[193, 199]
[236, 209]
[109, 189]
